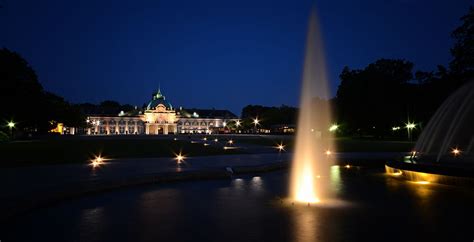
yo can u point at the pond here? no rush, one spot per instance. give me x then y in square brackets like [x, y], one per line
[373, 207]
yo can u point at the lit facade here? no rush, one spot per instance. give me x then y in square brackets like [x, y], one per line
[159, 117]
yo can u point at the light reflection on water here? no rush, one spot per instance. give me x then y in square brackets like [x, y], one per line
[305, 225]
[335, 179]
[256, 184]
[91, 224]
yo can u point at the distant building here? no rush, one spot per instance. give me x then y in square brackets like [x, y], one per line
[283, 129]
[159, 117]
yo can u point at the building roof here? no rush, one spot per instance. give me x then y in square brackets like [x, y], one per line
[158, 99]
[206, 113]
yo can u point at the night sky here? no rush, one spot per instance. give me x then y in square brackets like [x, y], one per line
[221, 54]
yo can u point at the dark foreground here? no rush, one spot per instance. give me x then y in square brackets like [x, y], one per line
[248, 208]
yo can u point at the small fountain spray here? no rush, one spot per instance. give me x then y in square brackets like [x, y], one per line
[313, 138]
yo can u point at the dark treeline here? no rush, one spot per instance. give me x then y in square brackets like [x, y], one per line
[106, 107]
[24, 101]
[389, 93]
[268, 116]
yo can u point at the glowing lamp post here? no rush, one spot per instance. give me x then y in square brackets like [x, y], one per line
[256, 122]
[333, 128]
[237, 124]
[410, 126]
[11, 125]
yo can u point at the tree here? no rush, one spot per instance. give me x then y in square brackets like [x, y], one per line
[462, 64]
[24, 100]
[21, 91]
[372, 99]
[268, 116]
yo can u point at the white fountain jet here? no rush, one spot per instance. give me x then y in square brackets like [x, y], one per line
[311, 162]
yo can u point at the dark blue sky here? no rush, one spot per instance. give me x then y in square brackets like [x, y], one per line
[221, 54]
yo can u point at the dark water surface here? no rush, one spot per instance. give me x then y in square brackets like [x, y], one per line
[380, 208]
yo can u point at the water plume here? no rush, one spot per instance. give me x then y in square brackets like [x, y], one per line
[311, 162]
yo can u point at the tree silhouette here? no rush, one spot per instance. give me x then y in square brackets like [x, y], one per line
[462, 64]
[24, 100]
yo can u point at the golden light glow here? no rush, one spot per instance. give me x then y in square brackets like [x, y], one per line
[58, 129]
[97, 161]
[280, 147]
[456, 151]
[398, 173]
[256, 121]
[216, 140]
[305, 192]
[206, 144]
[395, 128]
[205, 138]
[230, 141]
[328, 152]
[179, 158]
[230, 147]
[237, 123]
[347, 166]
[413, 176]
[422, 182]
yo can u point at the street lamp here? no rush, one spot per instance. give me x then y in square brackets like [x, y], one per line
[333, 128]
[256, 122]
[409, 126]
[11, 125]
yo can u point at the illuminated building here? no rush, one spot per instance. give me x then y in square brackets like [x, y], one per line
[159, 117]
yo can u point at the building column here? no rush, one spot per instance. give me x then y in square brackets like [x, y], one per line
[147, 128]
[165, 129]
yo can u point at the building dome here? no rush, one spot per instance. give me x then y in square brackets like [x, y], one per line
[158, 99]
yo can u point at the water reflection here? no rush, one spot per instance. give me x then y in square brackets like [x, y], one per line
[92, 222]
[305, 224]
[238, 185]
[256, 185]
[336, 184]
[163, 206]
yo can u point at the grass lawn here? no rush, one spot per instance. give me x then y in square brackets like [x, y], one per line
[81, 150]
[74, 150]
